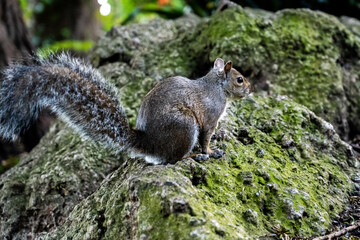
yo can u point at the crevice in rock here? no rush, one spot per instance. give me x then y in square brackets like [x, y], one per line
[243, 136]
[100, 222]
[116, 57]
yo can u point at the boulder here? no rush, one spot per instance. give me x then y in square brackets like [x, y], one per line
[285, 166]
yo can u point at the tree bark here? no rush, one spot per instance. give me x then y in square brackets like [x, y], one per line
[14, 37]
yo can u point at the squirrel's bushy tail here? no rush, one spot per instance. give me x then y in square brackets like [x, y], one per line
[70, 88]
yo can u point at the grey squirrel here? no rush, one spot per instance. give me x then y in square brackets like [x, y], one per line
[172, 116]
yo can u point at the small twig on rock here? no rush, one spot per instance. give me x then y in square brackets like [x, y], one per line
[339, 233]
[225, 4]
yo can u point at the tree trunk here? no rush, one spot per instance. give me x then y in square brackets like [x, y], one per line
[14, 44]
[14, 37]
[62, 20]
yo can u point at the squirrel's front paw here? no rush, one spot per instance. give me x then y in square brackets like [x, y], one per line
[217, 153]
[201, 157]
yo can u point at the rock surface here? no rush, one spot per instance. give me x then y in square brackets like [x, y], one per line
[283, 164]
[299, 182]
[37, 194]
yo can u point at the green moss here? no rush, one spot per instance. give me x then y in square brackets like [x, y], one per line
[283, 165]
[282, 187]
[297, 52]
[305, 54]
[66, 45]
[53, 178]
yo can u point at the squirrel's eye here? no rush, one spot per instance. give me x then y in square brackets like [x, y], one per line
[239, 80]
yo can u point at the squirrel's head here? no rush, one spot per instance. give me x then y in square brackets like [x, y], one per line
[235, 85]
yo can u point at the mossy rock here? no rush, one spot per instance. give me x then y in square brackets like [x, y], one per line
[301, 53]
[308, 55]
[283, 164]
[37, 194]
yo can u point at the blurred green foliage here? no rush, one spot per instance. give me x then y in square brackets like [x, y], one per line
[138, 11]
[27, 11]
[66, 45]
[127, 11]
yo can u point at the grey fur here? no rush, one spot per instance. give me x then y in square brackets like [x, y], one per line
[178, 111]
[173, 115]
[69, 87]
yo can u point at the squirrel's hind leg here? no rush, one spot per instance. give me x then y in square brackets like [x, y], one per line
[204, 140]
[180, 143]
[169, 142]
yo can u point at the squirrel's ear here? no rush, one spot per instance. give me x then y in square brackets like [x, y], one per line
[228, 67]
[219, 63]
